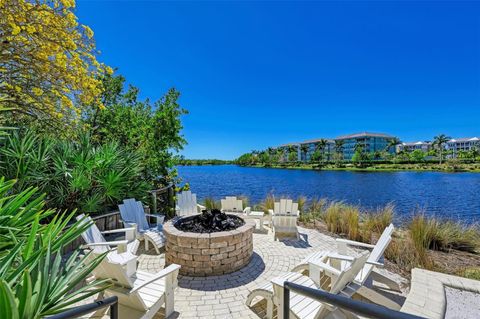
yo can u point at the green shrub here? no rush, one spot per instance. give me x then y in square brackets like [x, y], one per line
[76, 175]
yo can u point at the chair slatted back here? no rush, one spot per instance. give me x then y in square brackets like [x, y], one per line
[349, 273]
[187, 203]
[132, 212]
[93, 235]
[377, 252]
[232, 204]
[285, 206]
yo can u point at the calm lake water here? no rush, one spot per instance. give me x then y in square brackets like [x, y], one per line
[449, 195]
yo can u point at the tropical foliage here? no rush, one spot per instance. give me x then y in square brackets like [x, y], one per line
[75, 174]
[34, 279]
[151, 130]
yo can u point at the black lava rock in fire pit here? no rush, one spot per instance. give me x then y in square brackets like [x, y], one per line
[209, 221]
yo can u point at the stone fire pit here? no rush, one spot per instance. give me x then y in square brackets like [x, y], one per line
[208, 254]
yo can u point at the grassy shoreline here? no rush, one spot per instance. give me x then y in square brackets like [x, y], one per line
[472, 168]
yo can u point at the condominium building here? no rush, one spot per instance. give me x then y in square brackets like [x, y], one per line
[308, 148]
[370, 142]
[412, 146]
[462, 144]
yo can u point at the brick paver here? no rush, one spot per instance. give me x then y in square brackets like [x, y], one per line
[224, 296]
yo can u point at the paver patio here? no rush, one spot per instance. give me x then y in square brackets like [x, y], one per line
[225, 296]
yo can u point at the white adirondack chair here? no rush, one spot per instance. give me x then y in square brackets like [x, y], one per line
[306, 308]
[125, 251]
[94, 239]
[303, 307]
[186, 204]
[132, 212]
[284, 217]
[368, 270]
[285, 206]
[142, 294]
[231, 204]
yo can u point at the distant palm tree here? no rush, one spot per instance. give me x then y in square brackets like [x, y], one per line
[304, 150]
[339, 149]
[393, 142]
[439, 141]
[339, 145]
[322, 145]
[359, 147]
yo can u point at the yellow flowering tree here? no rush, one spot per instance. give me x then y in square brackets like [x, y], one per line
[48, 67]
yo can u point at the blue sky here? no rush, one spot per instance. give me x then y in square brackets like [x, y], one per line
[259, 74]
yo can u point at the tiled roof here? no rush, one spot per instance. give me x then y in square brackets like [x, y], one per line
[316, 141]
[364, 134]
[465, 139]
[416, 143]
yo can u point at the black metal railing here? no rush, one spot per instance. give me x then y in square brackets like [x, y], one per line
[76, 312]
[354, 306]
[162, 200]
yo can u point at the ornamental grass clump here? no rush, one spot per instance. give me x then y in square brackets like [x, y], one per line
[302, 201]
[210, 203]
[268, 203]
[443, 235]
[343, 219]
[315, 211]
[375, 222]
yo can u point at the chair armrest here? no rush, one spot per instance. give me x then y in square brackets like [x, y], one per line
[375, 263]
[121, 230]
[201, 207]
[340, 257]
[247, 210]
[129, 232]
[325, 267]
[354, 243]
[160, 218]
[108, 243]
[163, 273]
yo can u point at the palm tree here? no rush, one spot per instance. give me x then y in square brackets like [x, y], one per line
[320, 147]
[304, 150]
[339, 148]
[292, 149]
[358, 147]
[339, 145]
[323, 143]
[393, 142]
[439, 141]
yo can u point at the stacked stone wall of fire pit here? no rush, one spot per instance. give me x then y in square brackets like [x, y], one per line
[211, 254]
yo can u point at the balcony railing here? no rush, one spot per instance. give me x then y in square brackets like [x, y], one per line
[76, 312]
[353, 306]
